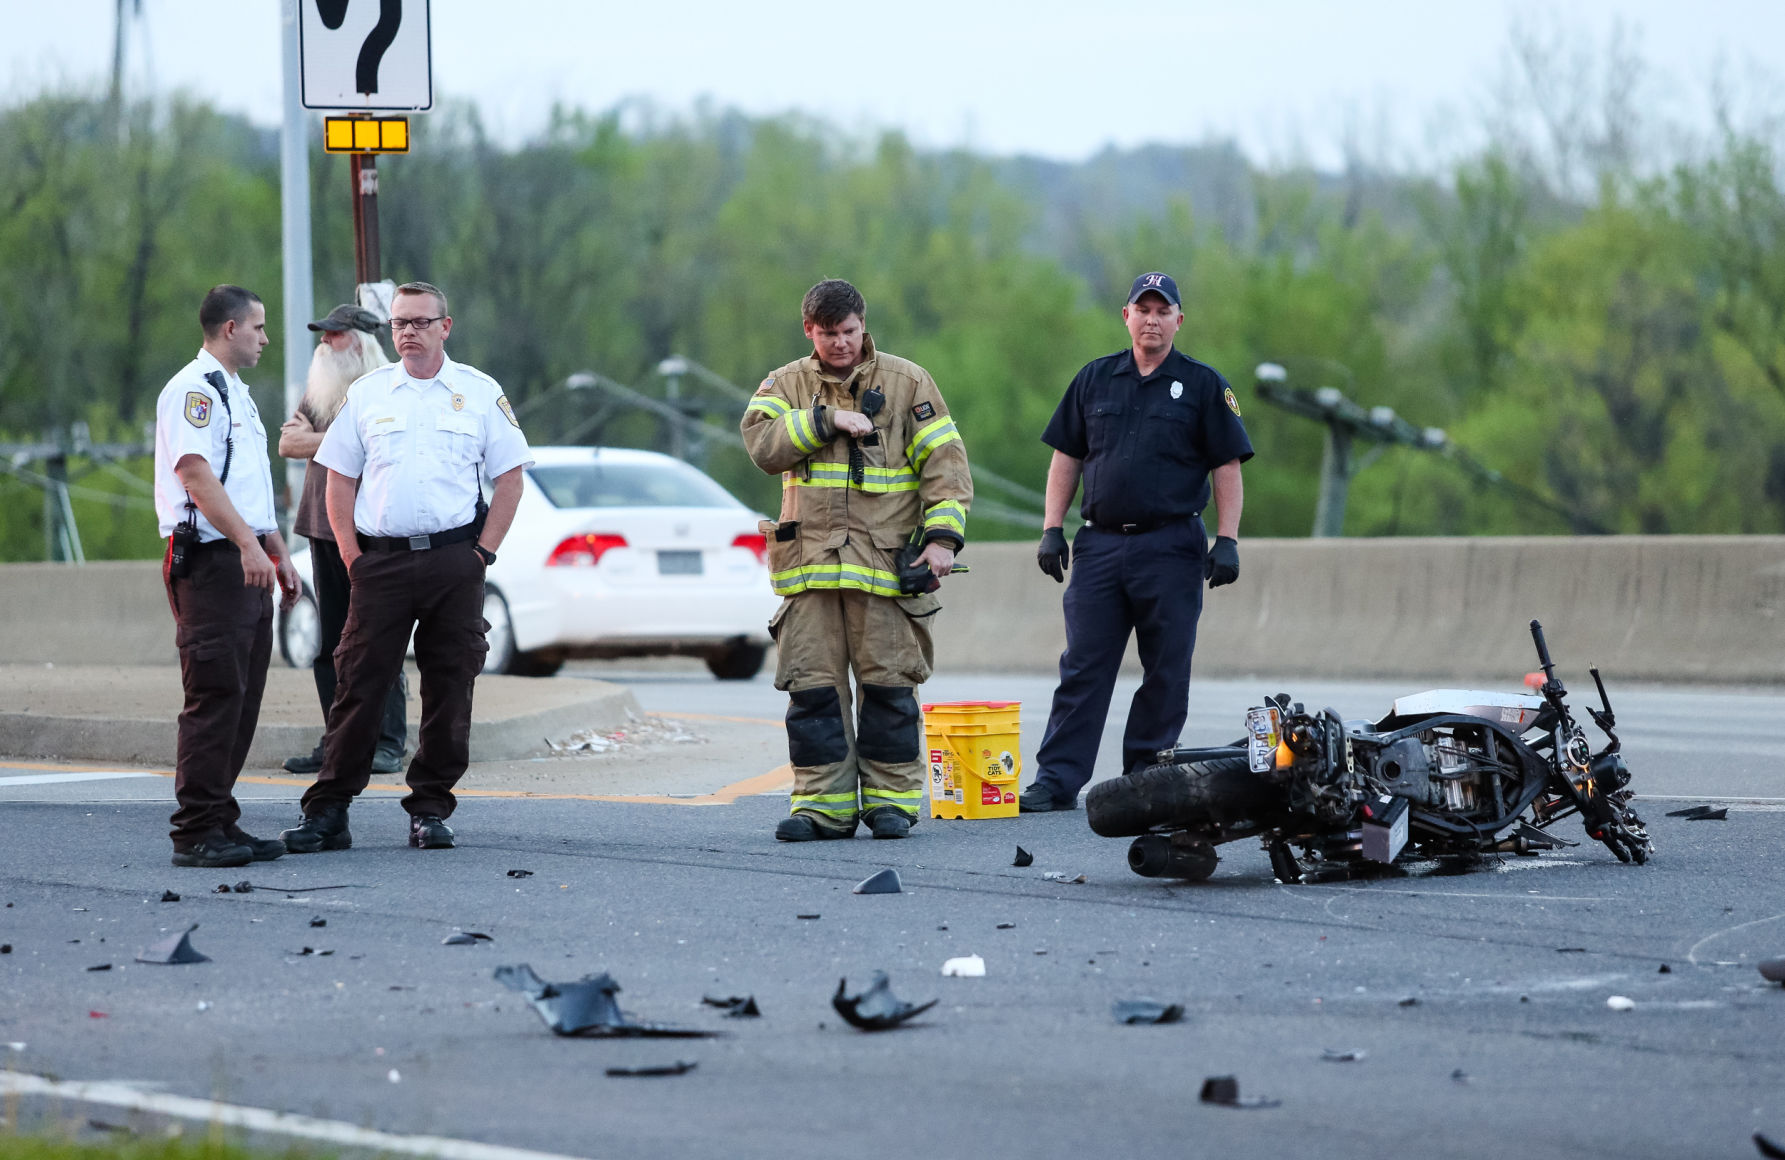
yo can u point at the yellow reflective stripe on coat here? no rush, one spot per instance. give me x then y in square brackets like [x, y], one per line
[928, 438]
[801, 431]
[839, 575]
[948, 515]
[770, 404]
[874, 479]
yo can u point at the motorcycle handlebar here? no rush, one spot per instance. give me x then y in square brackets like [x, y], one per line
[1542, 648]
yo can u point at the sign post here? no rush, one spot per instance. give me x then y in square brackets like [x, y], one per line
[294, 215]
[364, 58]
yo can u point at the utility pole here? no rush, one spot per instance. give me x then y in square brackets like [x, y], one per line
[1347, 422]
[672, 369]
[294, 210]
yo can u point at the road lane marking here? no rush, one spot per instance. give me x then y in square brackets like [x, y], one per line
[1692, 955]
[65, 767]
[774, 781]
[62, 778]
[119, 1095]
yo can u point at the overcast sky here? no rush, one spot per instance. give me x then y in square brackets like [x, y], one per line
[1060, 78]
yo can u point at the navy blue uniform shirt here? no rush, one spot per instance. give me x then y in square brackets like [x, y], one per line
[1149, 444]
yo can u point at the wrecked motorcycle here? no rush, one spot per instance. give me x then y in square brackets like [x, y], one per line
[1447, 775]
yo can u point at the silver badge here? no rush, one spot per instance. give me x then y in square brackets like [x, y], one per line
[1177, 390]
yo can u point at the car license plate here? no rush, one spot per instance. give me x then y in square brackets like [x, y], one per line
[678, 563]
[1261, 738]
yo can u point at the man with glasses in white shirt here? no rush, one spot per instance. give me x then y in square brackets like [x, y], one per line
[406, 505]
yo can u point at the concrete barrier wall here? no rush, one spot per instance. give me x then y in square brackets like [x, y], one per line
[1666, 608]
[112, 612]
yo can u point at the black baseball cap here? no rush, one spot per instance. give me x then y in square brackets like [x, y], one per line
[1162, 284]
[348, 317]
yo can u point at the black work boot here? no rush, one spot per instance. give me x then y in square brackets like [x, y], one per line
[800, 828]
[386, 759]
[326, 829]
[310, 764]
[263, 849]
[1038, 799]
[213, 850]
[429, 832]
[887, 822]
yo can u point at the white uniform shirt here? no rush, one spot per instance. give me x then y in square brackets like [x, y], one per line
[191, 419]
[416, 445]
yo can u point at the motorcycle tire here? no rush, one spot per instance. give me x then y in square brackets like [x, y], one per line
[1193, 793]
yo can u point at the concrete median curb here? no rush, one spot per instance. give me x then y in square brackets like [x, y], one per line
[126, 714]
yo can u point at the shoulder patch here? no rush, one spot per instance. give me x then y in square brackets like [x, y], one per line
[768, 385]
[923, 411]
[198, 408]
[507, 409]
[1233, 404]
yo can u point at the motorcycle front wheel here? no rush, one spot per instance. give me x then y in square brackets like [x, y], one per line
[1214, 792]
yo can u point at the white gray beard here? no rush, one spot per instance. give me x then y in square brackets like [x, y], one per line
[331, 373]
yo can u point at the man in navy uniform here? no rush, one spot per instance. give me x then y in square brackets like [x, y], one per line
[405, 502]
[214, 499]
[1148, 429]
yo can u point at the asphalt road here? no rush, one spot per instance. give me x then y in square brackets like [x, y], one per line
[1510, 1048]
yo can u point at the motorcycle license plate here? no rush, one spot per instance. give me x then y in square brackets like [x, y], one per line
[1262, 738]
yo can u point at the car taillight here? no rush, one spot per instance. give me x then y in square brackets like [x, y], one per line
[585, 550]
[756, 542]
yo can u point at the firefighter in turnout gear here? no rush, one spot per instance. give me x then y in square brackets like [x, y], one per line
[874, 496]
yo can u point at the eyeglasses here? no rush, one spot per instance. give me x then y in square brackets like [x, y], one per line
[400, 324]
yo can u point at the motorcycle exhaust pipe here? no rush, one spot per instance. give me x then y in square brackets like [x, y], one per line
[1175, 856]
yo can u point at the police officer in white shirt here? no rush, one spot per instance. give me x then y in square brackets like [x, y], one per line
[406, 506]
[214, 498]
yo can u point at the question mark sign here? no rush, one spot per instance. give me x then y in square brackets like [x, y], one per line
[377, 42]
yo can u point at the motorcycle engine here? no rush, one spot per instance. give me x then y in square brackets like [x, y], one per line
[1447, 769]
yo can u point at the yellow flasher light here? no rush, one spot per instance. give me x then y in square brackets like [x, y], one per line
[365, 134]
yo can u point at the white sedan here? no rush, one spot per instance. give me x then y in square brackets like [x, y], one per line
[614, 552]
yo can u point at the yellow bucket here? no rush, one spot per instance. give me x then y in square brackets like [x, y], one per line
[975, 758]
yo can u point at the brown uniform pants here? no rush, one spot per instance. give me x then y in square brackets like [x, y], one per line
[224, 631]
[438, 593]
[843, 767]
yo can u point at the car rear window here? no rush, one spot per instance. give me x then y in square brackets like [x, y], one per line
[609, 485]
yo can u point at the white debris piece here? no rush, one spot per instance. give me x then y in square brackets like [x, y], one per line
[394, 1076]
[1062, 876]
[967, 967]
[637, 733]
[1620, 1003]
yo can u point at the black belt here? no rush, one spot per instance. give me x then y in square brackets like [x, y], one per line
[209, 545]
[1145, 525]
[416, 543]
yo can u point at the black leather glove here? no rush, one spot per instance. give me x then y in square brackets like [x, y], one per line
[915, 577]
[1224, 561]
[1053, 555]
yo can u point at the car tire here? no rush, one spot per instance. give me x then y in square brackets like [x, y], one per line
[737, 660]
[300, 631]
[500, 635]
[536, 663]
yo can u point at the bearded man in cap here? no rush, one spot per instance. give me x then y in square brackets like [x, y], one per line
[348, 349]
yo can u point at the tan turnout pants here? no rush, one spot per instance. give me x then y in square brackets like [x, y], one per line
[846, 764]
